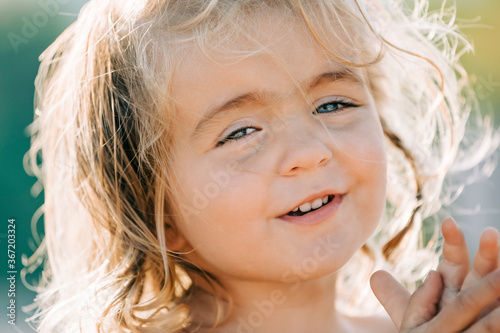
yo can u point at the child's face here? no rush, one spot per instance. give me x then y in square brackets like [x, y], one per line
[243, 167]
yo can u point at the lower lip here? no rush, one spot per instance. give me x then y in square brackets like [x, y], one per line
[317, 216]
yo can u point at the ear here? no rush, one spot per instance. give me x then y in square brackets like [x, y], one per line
[174, 239]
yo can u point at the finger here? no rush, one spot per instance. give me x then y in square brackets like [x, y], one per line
[490, 323]
[490, 308]
[391, 294]
[456, 261]
[455, 249]
[485, 261]
[462, 312]
[422, 305]
[486, 258]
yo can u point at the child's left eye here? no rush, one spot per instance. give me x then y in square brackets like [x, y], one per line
[334, 106]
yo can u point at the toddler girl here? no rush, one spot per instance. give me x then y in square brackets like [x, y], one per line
[244, 166]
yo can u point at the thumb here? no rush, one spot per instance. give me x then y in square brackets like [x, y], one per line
[391, 294]
[422, 306]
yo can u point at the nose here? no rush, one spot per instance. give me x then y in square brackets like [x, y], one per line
[302, 151]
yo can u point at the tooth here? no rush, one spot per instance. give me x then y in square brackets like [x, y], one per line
[317, 203]
[295, 209]
[305, 207]
[325, 199]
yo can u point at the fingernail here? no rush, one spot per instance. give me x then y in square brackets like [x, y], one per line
[427, 277]
[452, 220]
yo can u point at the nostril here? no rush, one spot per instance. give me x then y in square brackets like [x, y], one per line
[306, 156]
[323, 162]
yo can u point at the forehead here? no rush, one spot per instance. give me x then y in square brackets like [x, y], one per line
[274, 53]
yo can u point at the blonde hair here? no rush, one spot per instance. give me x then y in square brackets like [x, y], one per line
[104, 123]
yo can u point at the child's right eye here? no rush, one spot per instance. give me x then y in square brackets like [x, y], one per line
[237, 134]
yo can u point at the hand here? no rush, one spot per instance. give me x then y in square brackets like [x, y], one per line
[417, 313]
[414, 313]
[454, 267]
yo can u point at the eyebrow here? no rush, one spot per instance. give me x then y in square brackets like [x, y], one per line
[254, 96]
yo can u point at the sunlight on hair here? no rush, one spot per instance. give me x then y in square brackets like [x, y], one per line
[104, 122]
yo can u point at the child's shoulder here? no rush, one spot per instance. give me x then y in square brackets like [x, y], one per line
[370, 324]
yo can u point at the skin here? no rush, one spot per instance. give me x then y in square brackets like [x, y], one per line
[290, 154]
[455, 298]
[232, 194]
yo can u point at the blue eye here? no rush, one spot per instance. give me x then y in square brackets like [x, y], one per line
[334, 106]
[238, 134]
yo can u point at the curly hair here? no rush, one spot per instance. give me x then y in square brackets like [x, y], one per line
[104, 118]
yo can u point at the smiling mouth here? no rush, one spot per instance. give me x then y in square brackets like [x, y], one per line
[312, 206]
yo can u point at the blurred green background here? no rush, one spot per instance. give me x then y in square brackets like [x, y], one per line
[21, 44]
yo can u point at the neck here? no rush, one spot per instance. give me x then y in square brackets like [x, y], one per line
[258, 307]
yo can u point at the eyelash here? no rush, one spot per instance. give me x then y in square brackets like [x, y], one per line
[341, 104]
[239, 130]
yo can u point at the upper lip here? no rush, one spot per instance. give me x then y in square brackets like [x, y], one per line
[312, 197]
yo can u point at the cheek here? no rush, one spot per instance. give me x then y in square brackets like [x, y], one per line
[357, 135]
[364, 140]
[372, 171]
[362, 149]
[219, 204]
[226, 228]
